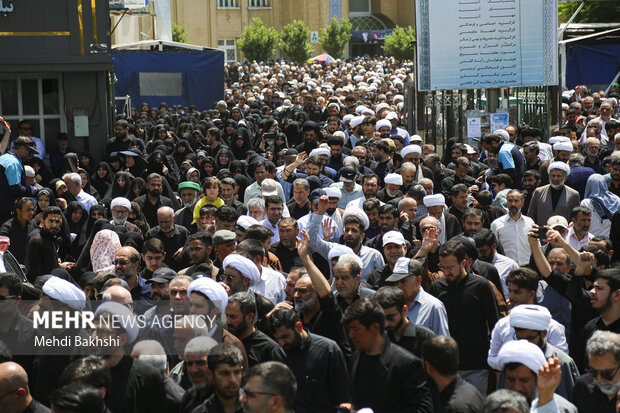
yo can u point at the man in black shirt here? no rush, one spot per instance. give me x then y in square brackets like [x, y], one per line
[461, 167]
[317, 362]
[605, 298]
[597, 390]
[14, 387]
[259, 347]
[450, 392]
[41, 251]
[153, 199]
[385, 377]
[286, 248]
[135, 386]
[400, 329]
[381, 151]
[121, 141]
[18, 228]
[225, 363]
[299, 205]
[459, 201]
[173, 236]
[472, 311]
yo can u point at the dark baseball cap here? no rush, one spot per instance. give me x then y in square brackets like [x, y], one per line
[24, 141]
[316, 194]
[162, 275]
[348, 174]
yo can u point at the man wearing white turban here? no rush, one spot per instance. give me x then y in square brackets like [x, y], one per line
[554, 198]
[521, 363]
[241, 274]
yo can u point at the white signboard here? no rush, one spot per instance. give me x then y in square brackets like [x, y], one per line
[473, 128]
[499, 121]
[314, 37]
[469, 44]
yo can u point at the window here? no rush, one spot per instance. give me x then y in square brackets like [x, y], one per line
[37, 99]
[227, 4]
[367, 23]
[359, 6]
[258, 4]
[229, 46]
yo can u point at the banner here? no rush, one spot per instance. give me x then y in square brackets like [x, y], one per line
[471, 44]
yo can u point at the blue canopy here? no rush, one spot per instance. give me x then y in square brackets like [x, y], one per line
[175, 77]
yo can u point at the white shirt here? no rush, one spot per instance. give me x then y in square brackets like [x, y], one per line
[87, 200]
[513, 237]
[572, 240]
[598, 228]
[504, 265]
[274, 228]
[271, 285]
[503, 333]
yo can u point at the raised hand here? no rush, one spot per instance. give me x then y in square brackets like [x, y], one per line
[328, 229]
[303, 244]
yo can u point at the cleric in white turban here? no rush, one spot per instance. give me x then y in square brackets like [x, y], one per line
[383, 123]
[121, 316]
[522, 352]
[410, 149]
[211, 290]
[338, 250]
[65, 292]
[393, 179]
[359, 213]
[559, 165]
[120, 201]
[243, 267]
[563, 146]
[246, 221]
[434, 200]
[531, 317]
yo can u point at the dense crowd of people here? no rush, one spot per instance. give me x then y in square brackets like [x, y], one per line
[343, 264]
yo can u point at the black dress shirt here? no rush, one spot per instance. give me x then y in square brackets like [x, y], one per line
[472, 313]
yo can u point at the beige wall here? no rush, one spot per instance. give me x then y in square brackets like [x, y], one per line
[206, 24]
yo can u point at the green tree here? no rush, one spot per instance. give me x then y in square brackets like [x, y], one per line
[399, 43]
[335, 37]
[592, 12]
[179, 33]
[258, 42]
[294, 41]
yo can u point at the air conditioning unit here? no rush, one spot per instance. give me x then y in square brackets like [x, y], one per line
[128, 4]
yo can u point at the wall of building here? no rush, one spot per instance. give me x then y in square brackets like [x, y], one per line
[206, 24]
[95, 102]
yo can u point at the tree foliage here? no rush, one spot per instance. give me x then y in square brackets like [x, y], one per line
[399, 44]
[258, 42]
[294, 41]
[335, 37]
[179, 33]
[592, 12]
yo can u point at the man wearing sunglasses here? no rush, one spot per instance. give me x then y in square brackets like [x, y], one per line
[268, 387]
[25, 129]
[597, 390]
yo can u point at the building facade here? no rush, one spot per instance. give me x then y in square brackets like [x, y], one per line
[219, 23]
[54, 69]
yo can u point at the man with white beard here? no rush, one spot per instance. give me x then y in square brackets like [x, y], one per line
[120, 208]
[189, 192]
